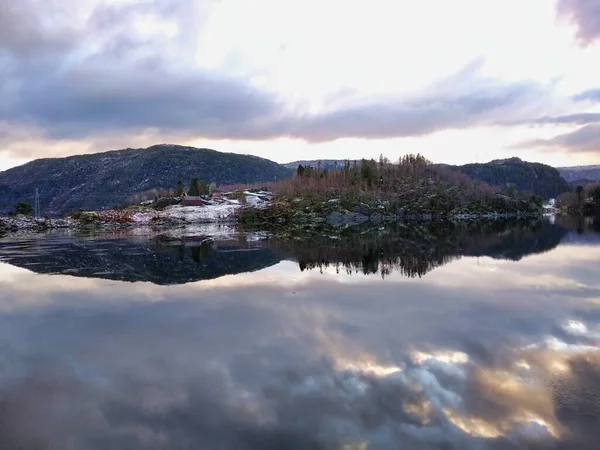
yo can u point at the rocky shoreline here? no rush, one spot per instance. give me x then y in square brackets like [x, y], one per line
[347, 218]
[265, 213]
[335, 220]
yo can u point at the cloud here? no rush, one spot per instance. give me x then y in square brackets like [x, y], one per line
[569, 119]
[585, 140]
[483, 102]
[98, 72]
[585, 15]
[590, 95]
[26, 31]
[235, 367]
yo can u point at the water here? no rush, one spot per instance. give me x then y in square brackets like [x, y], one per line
[419, 337]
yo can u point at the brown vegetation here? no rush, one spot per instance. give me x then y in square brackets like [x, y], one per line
[413, 184]
[584, 201]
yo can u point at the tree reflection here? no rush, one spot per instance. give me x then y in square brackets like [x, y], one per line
[414, 250]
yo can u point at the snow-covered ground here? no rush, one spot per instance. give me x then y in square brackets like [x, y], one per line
[213, 213]
[219, 211]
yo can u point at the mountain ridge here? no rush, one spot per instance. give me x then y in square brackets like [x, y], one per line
[539, 178]
[107, 179]
[580, 174]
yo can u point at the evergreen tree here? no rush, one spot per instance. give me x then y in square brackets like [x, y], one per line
[194, 190]
[179, 189]
[579, 191]
[24, 208]
[300, 170]
[203, 188]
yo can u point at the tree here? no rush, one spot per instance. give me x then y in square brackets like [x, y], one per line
[579, 191]
[194, 190]
[24, 208]
[538, 200]
[300, 170]
[368, 171]
[596, 193]
[203, 188]
[179, 189]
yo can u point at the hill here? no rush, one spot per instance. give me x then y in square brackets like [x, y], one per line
[525, 176]
[328, 164]
[105, 180]
[580, 174]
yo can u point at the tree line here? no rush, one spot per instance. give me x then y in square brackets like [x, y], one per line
[412, 180]
[585, 200]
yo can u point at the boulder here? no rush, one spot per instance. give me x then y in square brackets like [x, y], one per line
[363, 210]
[162, 203]
[346, 218]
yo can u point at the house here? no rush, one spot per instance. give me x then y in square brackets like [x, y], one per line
[191, 200]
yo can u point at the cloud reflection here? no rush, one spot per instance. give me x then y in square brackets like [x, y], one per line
[307, 361]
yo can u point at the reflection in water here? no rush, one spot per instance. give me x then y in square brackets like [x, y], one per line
[410, 250]
[415, 250]
[156, 259]
[499, 352]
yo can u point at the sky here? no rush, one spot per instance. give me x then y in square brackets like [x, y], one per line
[461, 81]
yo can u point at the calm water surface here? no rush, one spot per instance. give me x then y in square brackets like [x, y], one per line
[418, 337]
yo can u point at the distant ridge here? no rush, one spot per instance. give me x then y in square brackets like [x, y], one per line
[323, 163]
[580, 174]
[105, 180]
[539, 178]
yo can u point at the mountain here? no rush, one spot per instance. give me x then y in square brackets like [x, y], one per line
[105, 180]
[525, 176]
[580, 174]
[323, 163]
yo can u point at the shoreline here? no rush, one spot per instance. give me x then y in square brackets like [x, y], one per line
[334, 220]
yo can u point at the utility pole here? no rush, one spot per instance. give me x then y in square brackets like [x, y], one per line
[36, 208]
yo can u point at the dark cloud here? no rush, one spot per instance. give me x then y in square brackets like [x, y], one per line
[149, 94]
[483, 104]
[585, 15]
[585, 139]
[33, 27]
[98, 77]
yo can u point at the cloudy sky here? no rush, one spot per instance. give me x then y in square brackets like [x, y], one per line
[457, 81]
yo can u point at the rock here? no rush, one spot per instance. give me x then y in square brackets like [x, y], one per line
[363, 210]
[162, 203]
[346, 218]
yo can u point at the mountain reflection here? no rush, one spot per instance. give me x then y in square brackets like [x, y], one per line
[411, 250]
[123, 257]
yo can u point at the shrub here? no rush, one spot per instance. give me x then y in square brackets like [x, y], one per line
[24, 208]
